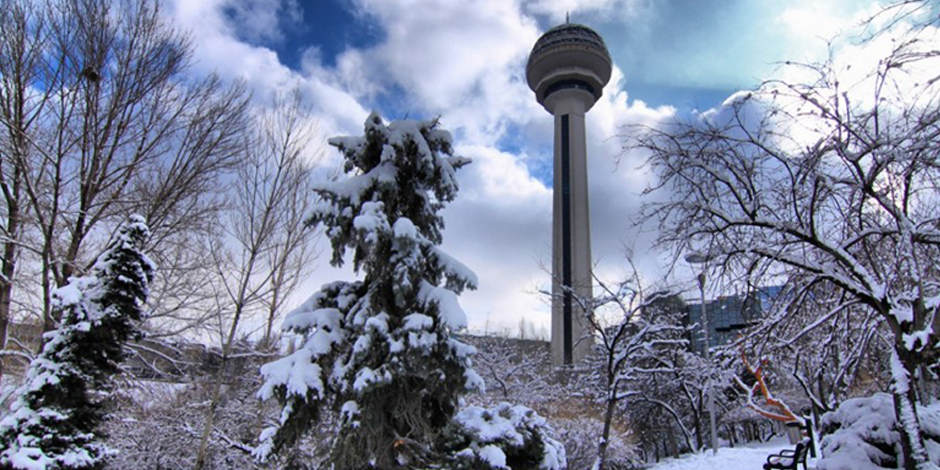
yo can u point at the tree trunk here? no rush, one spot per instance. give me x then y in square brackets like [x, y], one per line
[202, 451]
[6, 284]
[605, 438]
[903, 365]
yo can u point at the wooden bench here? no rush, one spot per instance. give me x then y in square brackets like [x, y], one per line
[788, 459]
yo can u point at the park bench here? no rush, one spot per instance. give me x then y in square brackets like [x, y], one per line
[788, 459]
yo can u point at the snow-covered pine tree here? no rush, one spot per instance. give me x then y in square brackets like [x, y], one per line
[54, 422]
[380, 351]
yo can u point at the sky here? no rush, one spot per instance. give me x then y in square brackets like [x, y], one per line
[464, 60]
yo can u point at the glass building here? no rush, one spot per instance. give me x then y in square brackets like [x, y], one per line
[729, 315]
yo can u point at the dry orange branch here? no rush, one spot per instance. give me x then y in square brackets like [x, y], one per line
[785, 414]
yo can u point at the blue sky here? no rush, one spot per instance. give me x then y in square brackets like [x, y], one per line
[464, 60]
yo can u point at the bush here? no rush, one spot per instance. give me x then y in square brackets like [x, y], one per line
[502, 437]
[862, 434]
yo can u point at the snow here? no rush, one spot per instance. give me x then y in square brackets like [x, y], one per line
[349, 411]
[917, 340]
[301, 320]
[862, 425]
[69, 294]
[422, 341]
[491, 431]
[750, 457]
[295, 372]
[418, 321]
[474, 381]
[450, 311]
[404, 228]
[493, 455]
[371, 220]
[378, 323]
[454, 268]
[461, 349]
[366, 377]
[863, 434]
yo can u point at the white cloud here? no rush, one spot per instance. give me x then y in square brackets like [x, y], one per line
[218, 50]
[262, 20]
[558, 10]
[463, 60]
[809, 25]
[499, 225]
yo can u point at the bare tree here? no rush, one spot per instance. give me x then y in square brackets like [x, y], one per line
[515, 370]
[646, 326]
[831, 354]
[99, 122]
[271, 246]
[833, 181]
[20, 51]
[632, 334]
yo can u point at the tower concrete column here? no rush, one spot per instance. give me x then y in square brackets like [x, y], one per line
[567, 69]
[571, 232]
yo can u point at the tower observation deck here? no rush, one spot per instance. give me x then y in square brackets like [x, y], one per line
[568, 69]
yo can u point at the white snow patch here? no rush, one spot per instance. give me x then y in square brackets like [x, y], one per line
[737, 458]
[450, 311]
[418, 321]
[493, 455]
[404, 228]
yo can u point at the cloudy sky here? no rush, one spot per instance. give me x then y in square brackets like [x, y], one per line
[464, 60]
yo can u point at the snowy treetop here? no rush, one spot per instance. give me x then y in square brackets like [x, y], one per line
[407, 166]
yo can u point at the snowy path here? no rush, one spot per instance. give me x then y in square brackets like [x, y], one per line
[751, 457]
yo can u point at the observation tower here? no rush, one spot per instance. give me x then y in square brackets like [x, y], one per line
[567, 69]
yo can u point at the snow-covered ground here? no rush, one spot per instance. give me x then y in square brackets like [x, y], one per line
[750, 457]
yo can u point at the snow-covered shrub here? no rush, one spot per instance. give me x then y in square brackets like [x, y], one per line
[55, 419]
[516, 371]
[579, 435]
[380, 351]
[153, 425]
[862, 434]
[502, 437]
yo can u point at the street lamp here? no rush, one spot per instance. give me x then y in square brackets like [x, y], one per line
[693, 259]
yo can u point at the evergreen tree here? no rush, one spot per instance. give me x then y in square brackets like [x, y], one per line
[54, 422]
[380, 351]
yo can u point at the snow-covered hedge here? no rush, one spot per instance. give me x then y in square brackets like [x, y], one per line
[502, 437]
[862, 435]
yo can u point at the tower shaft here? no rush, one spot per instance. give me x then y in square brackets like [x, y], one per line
[571, 234]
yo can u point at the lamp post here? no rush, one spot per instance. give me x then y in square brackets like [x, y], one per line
[693, 259]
